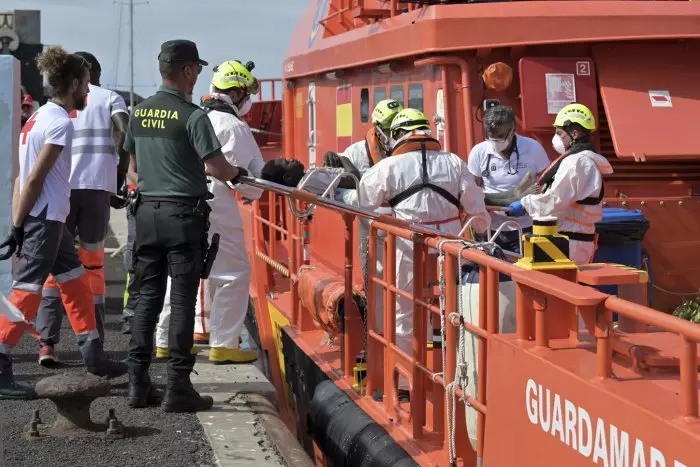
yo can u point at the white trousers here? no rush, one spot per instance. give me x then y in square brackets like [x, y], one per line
[164, 319]
[222, 301]
[581, 252]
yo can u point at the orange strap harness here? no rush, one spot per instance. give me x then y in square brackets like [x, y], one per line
[373, 146]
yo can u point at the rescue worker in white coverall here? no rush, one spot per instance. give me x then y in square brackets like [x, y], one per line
[377, 144]
[226, 292]
[572, 186]
[96, 173]
[363, 155]
[423, 184]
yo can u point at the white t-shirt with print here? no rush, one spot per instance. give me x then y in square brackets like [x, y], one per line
[500, 174]
[48, 125]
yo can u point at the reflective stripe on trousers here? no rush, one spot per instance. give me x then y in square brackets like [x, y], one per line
[89, 219]
[77, 298]
[48, 248]
[50, 317]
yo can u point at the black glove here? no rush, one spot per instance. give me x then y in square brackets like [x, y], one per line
[120, 200]
[241, 173]
[121, 181]
[481, 237]
[13, 243]
[332, 159]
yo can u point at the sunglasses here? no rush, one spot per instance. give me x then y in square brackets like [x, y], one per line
[500, 136]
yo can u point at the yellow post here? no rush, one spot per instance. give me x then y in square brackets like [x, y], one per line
[547, 251]
[544, 249]
[360, 374]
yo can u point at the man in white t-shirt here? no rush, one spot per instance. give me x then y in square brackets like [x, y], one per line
[501, 162]
[39, 238]
[96, 174]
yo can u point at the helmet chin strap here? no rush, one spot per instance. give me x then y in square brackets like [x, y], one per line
[384, 139]
[220, 95]
[226, 98]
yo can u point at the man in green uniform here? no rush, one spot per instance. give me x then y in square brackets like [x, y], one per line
[173, 148]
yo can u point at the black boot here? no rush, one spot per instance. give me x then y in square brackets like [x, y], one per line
[180, 396]
[108, 368]
[96, 360]
[9, 389]
[142, 393]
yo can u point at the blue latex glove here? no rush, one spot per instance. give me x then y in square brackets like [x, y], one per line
[516, 209]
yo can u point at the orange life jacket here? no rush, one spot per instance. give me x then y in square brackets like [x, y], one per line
[373, 146]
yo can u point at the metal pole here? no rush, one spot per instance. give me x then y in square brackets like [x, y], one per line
[131, 54]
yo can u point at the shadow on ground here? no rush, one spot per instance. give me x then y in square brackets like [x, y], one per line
[158, 439]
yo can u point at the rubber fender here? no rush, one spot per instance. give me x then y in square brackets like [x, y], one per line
[348, 436]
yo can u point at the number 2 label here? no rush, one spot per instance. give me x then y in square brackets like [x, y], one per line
[583, 68]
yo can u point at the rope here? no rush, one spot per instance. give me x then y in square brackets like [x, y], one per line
[273, 264]
[450, 393]
[678, 294]
[456, 319]
[364, 263]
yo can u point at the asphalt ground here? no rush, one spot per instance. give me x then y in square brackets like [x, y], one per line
[156, 438]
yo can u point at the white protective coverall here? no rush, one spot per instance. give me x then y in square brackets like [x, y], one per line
[394, 175]
[226, 291]
[357, 154]
[579, 176]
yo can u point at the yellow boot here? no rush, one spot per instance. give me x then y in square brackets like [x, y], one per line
[162, 352]
[224, 356]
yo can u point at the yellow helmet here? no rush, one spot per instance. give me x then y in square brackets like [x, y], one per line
[575, 113]
[233, 74]
[409, 120]
[384, 113]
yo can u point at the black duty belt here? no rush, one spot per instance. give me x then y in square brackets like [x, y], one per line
[186, 200]
[579, 237]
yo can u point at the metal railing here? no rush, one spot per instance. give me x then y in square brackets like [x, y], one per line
[427, 422]
[270, 89]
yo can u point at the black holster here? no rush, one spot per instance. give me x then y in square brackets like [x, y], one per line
[210, 255]
[133, 200]
[202, 209]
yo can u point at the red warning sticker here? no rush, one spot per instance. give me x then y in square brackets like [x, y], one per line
[660, 99]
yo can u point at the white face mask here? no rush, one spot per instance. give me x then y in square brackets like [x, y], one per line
[499, 145]
[188, 97]
[386, 141]
[245, 106]
[558, 144]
